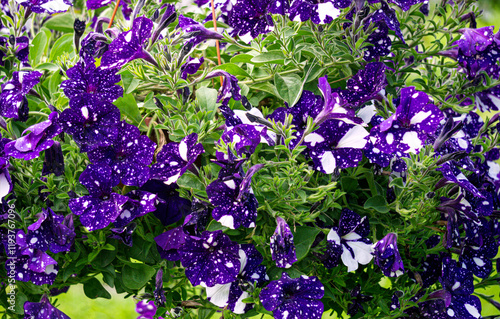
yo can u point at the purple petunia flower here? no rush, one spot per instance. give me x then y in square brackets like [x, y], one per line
[13, 102]
[380, 42]
[294, 298]
[170, 207]
[139, 204]
[250, 18]
[101, 207]
[200, 33]
[42, 310]
[320, 12]
[93, 46]
[453, 175]
[282, 246]
[51, 231]
[129, 46]
[211, 259]
[54, 160]
[146, 309]
[159, 294]
[39, 139]
[246, 137]
[175, 158]
[93, 125]
[191, 66]
[252, 274]
[336, 144]
[350, 235]
[128, 154]
[170, 242]
[387, 15]
[88, 82]
[46, 6]
[96, 4]
[387, 256]
[406, 130]
[230, 88]
[235, 204]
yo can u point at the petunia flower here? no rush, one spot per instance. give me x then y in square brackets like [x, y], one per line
[246, 137]
[42, 310]
[21, 46]
[128, 154]
[170, 242]
[357, 301]
[294, 298]
[282, 246]
[454, 175]
[235, 204]
[101, 207]
[129, 46]
[197, 221]
[336, 144]
[88, 82]
[252, 275]
[210, 259]
[379, 40]
[46, 6]
[13, 102]
[96, 4]
[39, 139]
[93, 46]
[191, 66]
[51, 231]
[91, 126]
[146, 309]
[167, 18]
[230, 88]
[387, 256]
[175, 158]
[6, 185]
[351, 235]
[159, 294]
[54, 160]
[320, 12]
[249, 19]
[139, 204]
[387, 15]
[198, 31]
[406, 130]
[170, 207]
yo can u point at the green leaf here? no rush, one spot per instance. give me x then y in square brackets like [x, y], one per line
[61, 22]
[289, 87]
[93, 289]
[135, 276]
[245, 58]
[208, 99]
[128, 107]
[303, 237]
[130, 83]
[275, 57]
[40, 45]
[55, 82]
[233, 69]
[189, 180]
[63, 44]
[47, 66]
[377, 203]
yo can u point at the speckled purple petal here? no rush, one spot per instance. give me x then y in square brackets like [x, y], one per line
[42, 310]
[14, 91]
[210, 260]
[170, 242]
[282, 246]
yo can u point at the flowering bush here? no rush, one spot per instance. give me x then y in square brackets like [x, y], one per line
[250, 157]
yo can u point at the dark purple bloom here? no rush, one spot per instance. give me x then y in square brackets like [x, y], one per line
[128, 154]
[336, 144]
[454, 175]
[54, 160]
[175, 158]
[252, 274]
[230, 88]
[93, 125]
[246, 137]
[191, 66]
[170, 242]
[350, 235]
[334, 105]
[13, 102]
[90, 83]
[250, 18]
[475, 40]
[159, 293]
[96, 4]
[235, 204]
[365, 85]
[387, 15]
[124, 234]
[294, 298]
[406, 130]
[42, 310]
[51, 231]
[93, 46]
[210, 260]
[199, 32]
[282, 246]
[101, 207]
[21, 46]
[39, 139]
[387, 256]
[129, 46]
[139, 204]
[146, 309]
[170, 207]
[380, 42]
[169, 16]
[320, 12]
[357, 301]
[46, 6]
[489, 99]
